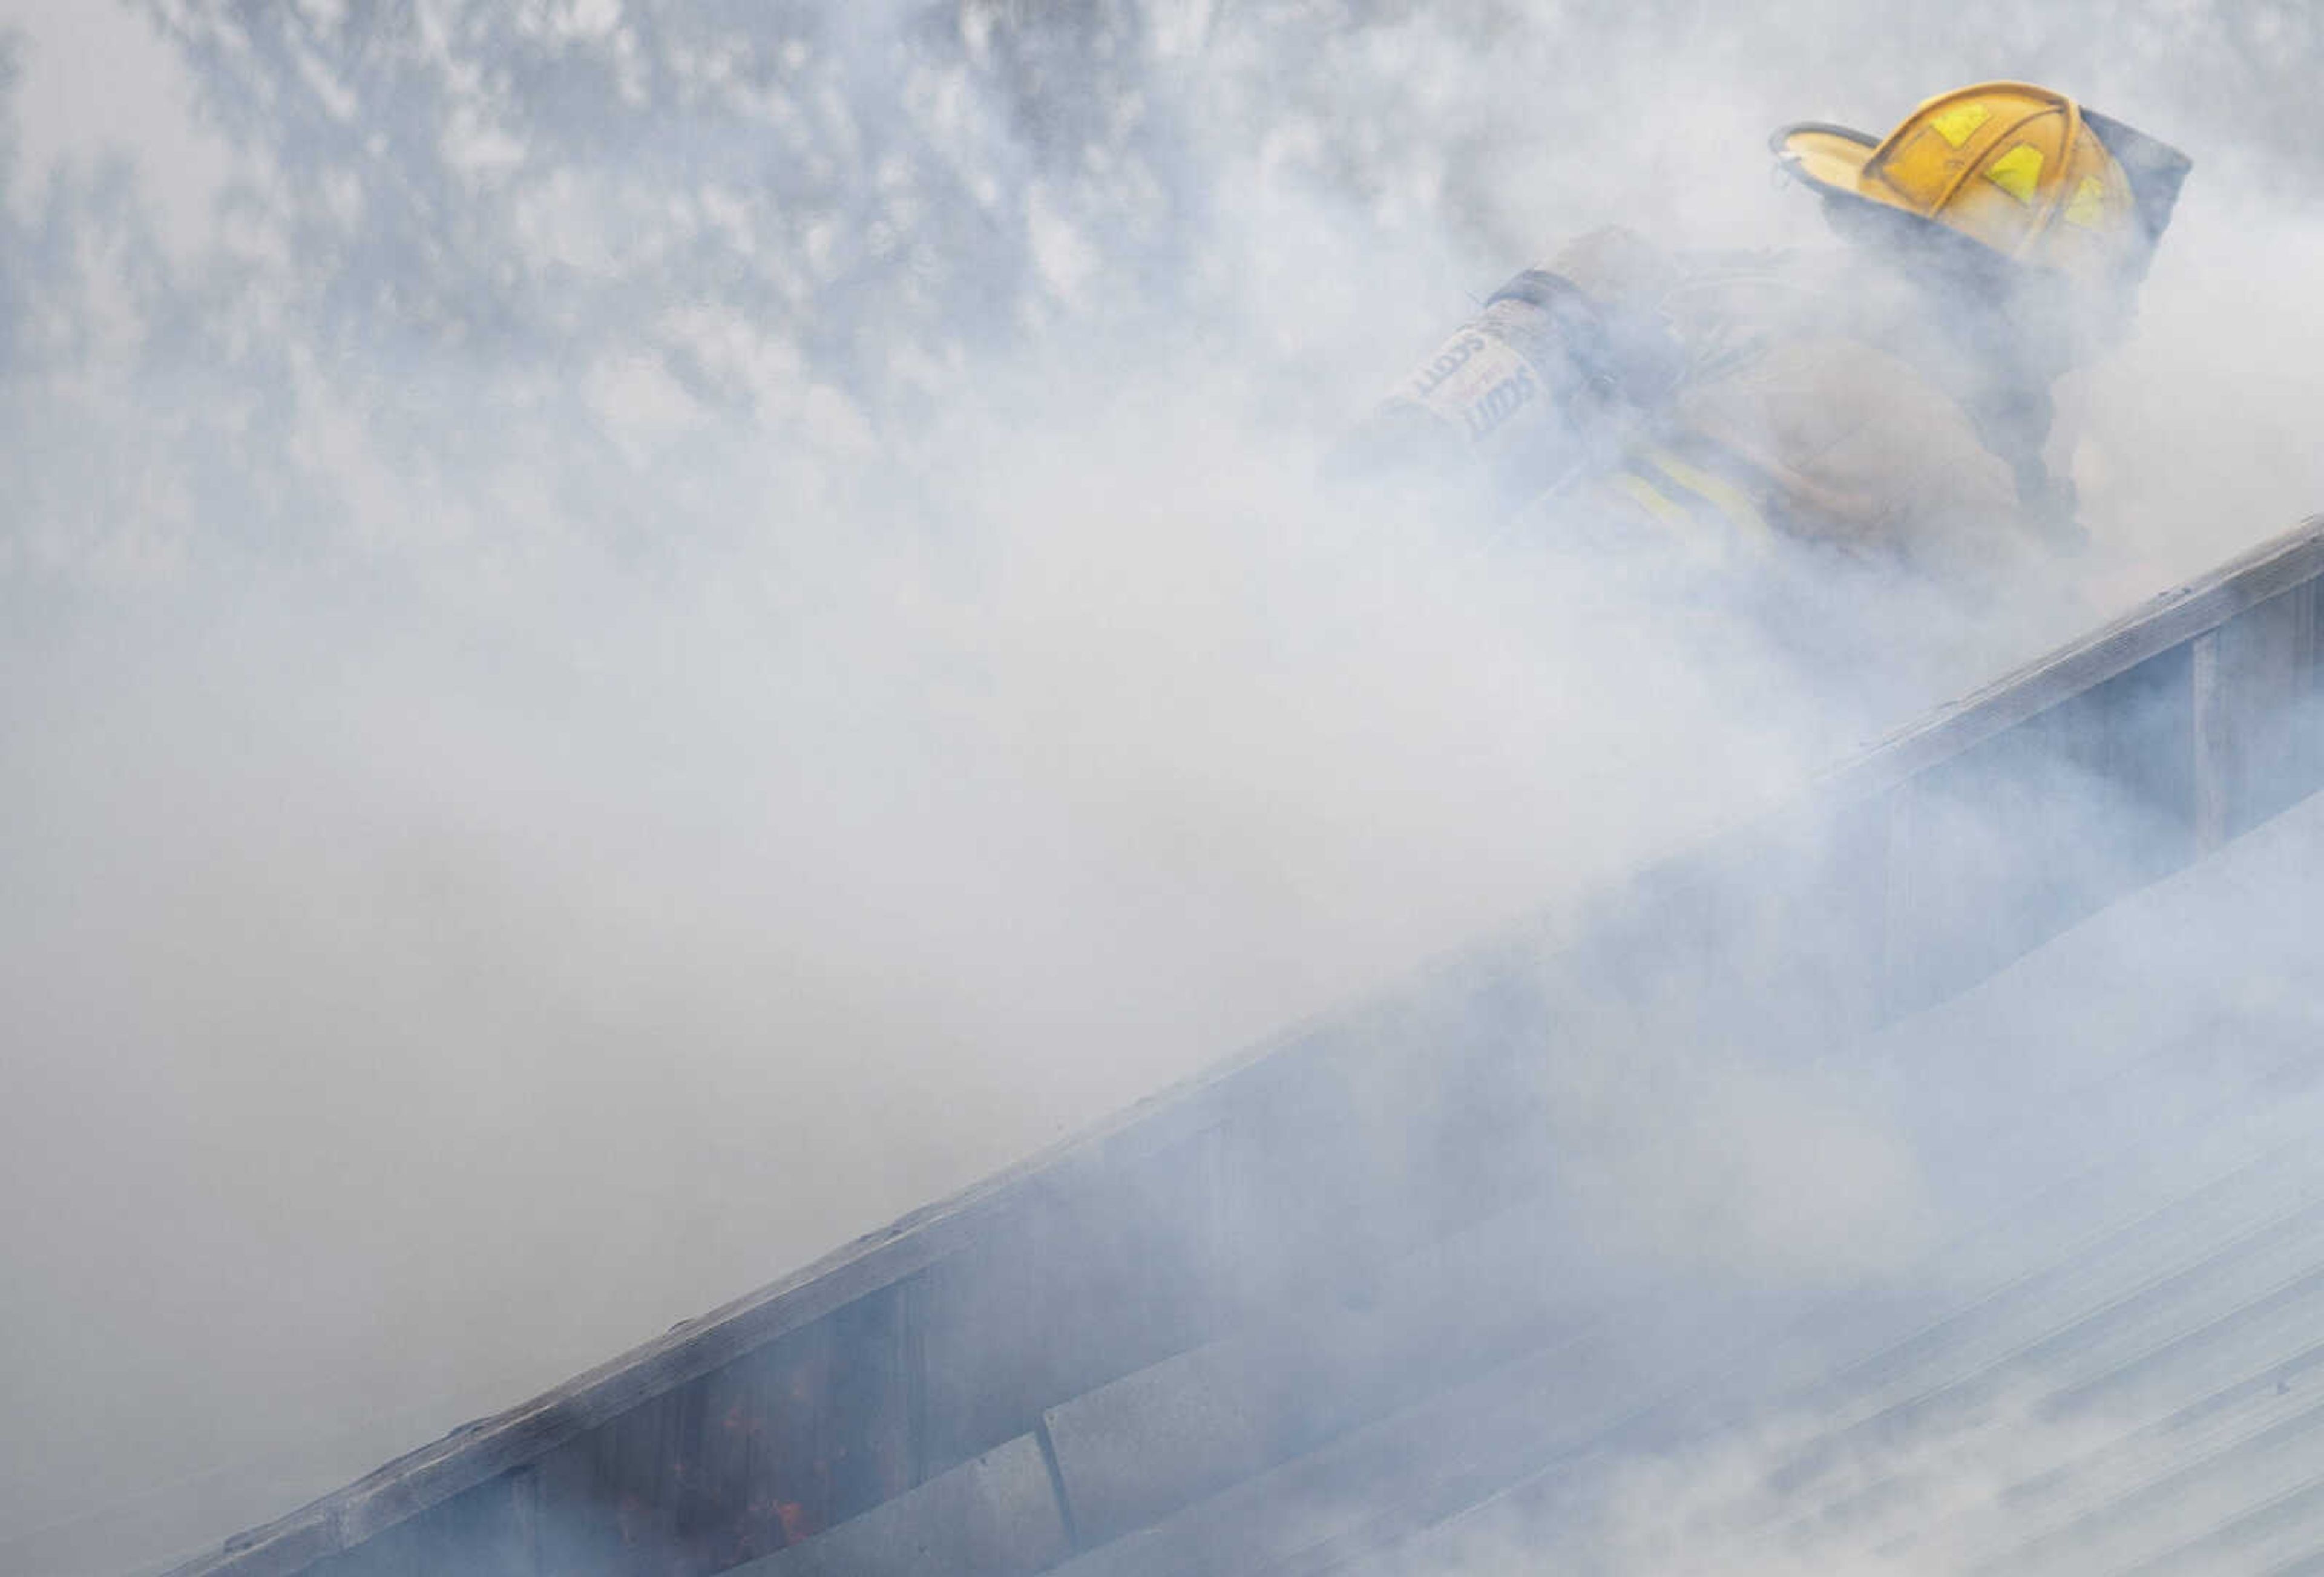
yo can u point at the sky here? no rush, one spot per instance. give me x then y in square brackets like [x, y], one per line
[582, 730]
[99, 78]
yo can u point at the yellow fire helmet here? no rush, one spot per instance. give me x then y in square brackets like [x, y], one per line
[2023, 170]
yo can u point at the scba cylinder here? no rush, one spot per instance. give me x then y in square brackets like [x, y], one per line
[1536, 389]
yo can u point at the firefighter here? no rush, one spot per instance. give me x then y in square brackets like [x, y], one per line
[1891, 399]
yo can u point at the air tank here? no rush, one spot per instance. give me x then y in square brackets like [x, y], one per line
[1538, 388]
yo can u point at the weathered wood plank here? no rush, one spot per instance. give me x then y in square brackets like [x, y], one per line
[2171, 619]
[2214, 773]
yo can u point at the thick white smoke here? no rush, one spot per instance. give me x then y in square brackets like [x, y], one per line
[626, 664]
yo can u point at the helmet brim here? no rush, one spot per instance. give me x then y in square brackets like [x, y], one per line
[1829, 158]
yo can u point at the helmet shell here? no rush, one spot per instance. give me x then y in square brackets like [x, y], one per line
[2018, 168]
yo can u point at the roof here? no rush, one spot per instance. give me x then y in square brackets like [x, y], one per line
[2117, 1363]
[1388, 1284]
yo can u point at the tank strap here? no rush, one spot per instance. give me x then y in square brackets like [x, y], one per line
[1620, 351]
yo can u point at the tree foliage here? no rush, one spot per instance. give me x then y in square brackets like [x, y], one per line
[817, 219]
